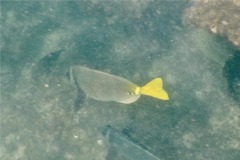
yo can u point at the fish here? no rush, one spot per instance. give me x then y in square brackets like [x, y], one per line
[120, 144]
[106, 87]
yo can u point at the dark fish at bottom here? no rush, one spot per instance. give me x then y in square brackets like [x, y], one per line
[122, 145]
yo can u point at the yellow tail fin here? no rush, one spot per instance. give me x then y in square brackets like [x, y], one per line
[154, 89]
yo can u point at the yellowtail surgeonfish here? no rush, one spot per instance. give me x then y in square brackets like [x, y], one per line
[106, 87]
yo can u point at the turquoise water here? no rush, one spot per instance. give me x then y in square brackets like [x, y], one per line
[138, 40]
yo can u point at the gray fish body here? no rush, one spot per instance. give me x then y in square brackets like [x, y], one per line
[103, 86]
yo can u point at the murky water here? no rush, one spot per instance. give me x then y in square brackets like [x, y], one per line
[43, 116]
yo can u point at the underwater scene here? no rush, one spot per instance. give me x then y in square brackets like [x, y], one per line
[120, 80]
